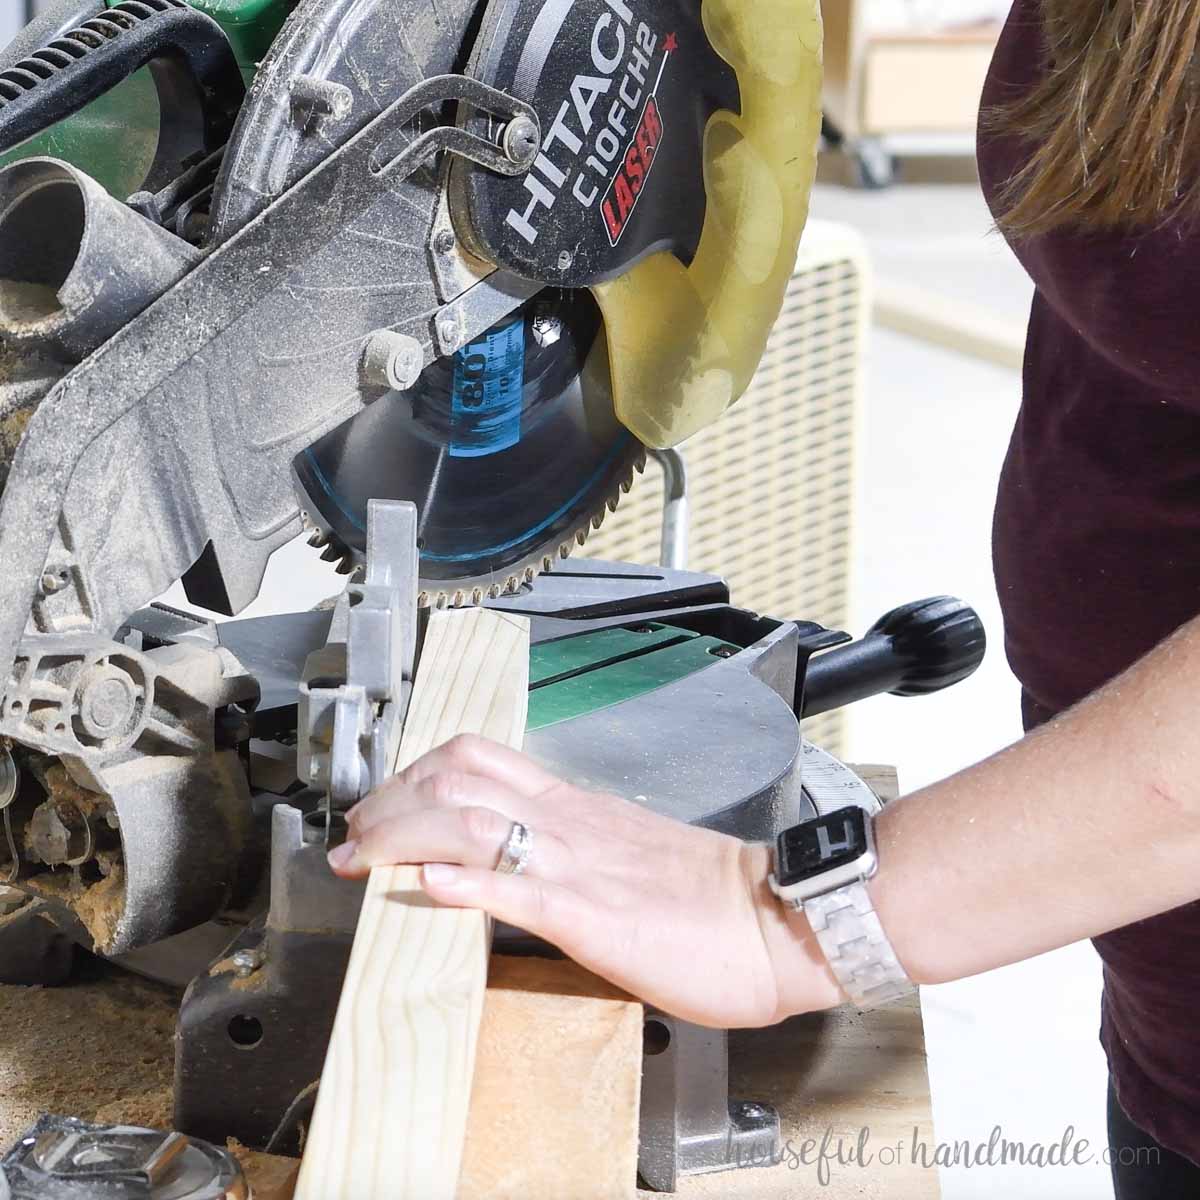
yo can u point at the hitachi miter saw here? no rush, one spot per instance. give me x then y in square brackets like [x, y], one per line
[424, 280]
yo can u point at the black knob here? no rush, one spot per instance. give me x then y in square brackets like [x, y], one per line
[913, 650]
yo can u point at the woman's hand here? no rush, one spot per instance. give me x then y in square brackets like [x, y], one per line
[680, 917]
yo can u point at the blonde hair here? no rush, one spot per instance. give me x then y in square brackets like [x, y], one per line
[1114, 121]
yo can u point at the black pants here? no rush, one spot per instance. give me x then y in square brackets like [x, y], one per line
[1141, 1168]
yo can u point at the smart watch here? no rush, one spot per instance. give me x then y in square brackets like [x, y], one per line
[821, 868]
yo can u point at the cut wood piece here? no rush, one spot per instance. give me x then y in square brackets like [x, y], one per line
[554, 1109]
[270, 1177]
[391, 1113]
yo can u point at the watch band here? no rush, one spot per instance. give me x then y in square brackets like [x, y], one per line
[851, 937]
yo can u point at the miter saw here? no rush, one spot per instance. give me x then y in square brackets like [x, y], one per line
[425, 279]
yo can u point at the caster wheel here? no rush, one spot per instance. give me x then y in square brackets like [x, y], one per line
[874, 166]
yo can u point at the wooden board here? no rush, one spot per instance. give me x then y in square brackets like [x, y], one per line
[554, 1104]
[554, 1109]
[391, 1113]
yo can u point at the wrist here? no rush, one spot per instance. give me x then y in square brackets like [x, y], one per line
[805, 982]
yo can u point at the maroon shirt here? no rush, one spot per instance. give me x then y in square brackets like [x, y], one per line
[1097, 546]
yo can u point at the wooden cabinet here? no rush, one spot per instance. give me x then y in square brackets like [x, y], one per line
[883, 87]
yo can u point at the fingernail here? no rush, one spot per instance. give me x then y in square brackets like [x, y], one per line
[441, 874]
[341, 856]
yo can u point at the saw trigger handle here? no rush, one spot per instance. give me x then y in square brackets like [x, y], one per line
[914, 650]
[195, 72]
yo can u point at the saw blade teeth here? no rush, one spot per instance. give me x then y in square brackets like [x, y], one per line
[524, 573]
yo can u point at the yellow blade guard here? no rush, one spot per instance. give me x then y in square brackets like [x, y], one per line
[684, 342]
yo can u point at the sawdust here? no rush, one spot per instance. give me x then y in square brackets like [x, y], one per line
[101, 1048]
[100, 906]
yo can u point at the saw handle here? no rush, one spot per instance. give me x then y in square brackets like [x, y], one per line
[914, 650]
[194, 68]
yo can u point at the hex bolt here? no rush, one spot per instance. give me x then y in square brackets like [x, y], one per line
[321, 97]
[246, 962]
[392, 360]
[521, 138]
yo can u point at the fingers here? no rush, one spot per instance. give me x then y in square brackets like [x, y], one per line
[547, 910]
[445, 789]
[473, 836]
[478, 756]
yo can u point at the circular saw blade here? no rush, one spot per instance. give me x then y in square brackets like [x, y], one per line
[510, 450]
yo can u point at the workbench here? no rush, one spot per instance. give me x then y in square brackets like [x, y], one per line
[102, 1049]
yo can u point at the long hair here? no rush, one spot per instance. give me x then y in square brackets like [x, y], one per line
[1114, 122]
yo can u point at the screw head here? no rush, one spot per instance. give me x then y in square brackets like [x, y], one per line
[521, 137]
[565, 260]
[444, 242]
[51, 584]
[246, 962]
[748, 1110]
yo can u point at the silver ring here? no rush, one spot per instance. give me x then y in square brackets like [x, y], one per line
[515, 856]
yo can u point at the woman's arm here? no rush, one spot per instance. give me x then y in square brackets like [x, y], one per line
[1087, 825]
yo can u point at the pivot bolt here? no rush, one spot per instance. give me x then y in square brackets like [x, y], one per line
[521, 137]
[246, 962]
[392, 360]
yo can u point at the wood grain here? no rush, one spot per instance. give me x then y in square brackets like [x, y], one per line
[554, 1109]
[391, 1113]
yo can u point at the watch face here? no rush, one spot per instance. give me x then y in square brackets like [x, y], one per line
[822, 845]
